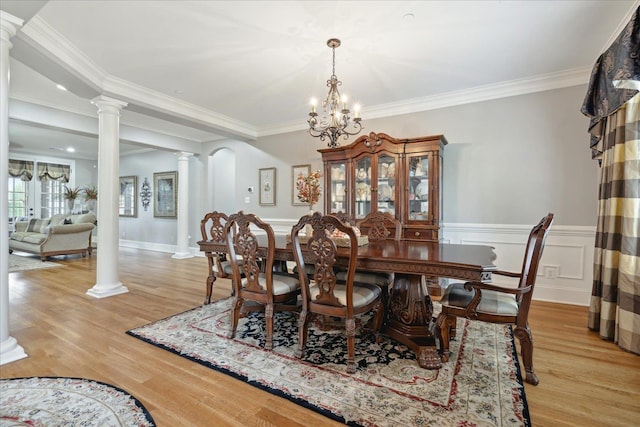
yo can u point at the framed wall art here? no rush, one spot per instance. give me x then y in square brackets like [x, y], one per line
[267, 187]
[305, 170]
[128, 199]
[166, 189]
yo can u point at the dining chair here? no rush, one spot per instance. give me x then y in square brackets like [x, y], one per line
[376, 226]
[259, 284]
[212, 230]
[497, 304]
[326, 295]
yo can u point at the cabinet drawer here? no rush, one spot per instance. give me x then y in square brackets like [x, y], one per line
[419, 234]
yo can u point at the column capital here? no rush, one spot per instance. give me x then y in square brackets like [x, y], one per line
[183, 155]
[9, 26]
[104, 104]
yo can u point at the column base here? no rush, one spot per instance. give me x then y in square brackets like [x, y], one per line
[10, 351]
[102, 292]
[182, 255]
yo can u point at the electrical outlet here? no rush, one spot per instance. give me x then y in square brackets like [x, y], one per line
[550, 271]
[247, 200]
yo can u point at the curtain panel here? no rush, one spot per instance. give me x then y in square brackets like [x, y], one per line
[615, 299]
[47, 171]
[613, 105]
[22, 169]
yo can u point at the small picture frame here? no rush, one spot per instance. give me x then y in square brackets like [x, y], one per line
[128, 200]
[296, 170]
[166, 194]
[267, 187]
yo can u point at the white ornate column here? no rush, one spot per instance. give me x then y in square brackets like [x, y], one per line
[9, 348]
[107, 274]
[182, 233]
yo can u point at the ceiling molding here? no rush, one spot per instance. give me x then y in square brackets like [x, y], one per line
[46, 40]
[534, 84]
[147, 98]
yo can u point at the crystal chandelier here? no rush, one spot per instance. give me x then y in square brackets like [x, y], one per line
[336, 121]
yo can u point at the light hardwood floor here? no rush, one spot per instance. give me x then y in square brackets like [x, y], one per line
[583, 379]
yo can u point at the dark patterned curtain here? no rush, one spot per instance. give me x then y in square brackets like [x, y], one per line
[613, 104]
[22, 169]
[53, 171]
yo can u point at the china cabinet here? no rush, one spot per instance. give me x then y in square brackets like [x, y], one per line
[380, 173]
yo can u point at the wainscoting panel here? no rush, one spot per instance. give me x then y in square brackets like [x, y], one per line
[565, 274]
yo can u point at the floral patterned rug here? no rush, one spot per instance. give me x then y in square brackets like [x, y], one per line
[58, 401]
[479, 386]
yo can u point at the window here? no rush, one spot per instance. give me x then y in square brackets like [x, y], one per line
[51, 198]
[18, 197]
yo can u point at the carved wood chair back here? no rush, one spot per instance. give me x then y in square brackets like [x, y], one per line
[380, 226]
[327, 295]
[212, 230]
[253, 275]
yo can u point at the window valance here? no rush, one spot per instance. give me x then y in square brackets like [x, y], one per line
[47, 171]
[615, 79]
[22, 169]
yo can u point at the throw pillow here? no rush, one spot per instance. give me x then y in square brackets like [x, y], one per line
[36, 225]
[32, 223]
[67, 221]
[44, 226]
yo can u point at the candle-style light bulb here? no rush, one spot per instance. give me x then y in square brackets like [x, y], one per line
[313, 105]
[344, 102]
[356, 111]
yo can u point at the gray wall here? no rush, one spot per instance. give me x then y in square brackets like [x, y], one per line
[508, 161]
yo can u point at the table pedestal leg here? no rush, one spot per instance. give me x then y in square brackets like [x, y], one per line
[410, 319]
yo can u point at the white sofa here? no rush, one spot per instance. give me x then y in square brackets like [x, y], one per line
[58, 235]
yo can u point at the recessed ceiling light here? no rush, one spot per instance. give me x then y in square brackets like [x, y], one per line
[59, 86]
[178, 91]
[408, 16]
[70, 150]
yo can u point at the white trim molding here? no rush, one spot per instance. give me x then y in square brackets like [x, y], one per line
[565, 274]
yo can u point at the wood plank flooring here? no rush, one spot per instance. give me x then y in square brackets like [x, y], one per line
[583, 380]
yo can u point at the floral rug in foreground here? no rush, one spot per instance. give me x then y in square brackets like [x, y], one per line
[58, 401]
[480, 385]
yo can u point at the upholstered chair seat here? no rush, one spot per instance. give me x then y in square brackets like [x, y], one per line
[491, 303]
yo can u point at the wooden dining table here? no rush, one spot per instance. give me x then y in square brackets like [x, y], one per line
[409, 317]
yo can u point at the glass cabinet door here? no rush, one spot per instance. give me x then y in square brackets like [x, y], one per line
[386, 184]
[362, 187]
[338, 187]
[418, 181]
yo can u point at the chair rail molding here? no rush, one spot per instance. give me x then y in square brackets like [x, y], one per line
[565, 274]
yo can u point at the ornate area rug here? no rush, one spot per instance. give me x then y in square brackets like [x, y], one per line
[23, 263]
[57, 401]
[480, 385]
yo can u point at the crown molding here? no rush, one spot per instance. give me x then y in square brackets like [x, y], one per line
[541, 83]
[40, 35]
[623, 23]
[157, 101]
[44, 37]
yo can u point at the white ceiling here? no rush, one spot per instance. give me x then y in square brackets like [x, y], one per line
[204, 70]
